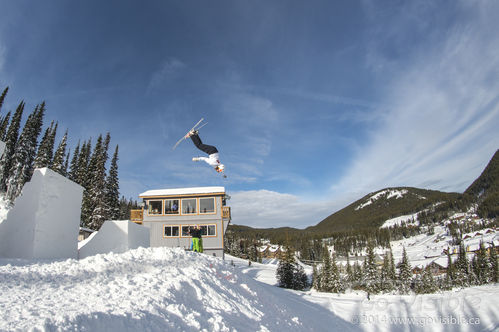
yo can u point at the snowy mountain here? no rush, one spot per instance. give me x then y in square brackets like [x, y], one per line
[374, 209]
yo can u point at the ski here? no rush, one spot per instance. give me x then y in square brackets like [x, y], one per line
[193, 128]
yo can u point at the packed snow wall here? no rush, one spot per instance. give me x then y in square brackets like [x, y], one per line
[45, 219]
[115, 236]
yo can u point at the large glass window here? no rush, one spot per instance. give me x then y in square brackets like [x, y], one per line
[186, 231]
[208, 230]
[207, 205]
[188, 206]
[171, 231]
[171, 206]
[155, 207]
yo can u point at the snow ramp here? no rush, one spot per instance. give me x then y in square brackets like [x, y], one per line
[115, 236]
[151, 289]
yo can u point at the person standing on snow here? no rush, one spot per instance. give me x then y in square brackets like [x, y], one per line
[213, 158]
[197, 241]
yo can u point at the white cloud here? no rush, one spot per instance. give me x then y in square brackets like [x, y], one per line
[441, 127]
[269, 209]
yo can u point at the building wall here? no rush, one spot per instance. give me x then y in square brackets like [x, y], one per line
[211, 244]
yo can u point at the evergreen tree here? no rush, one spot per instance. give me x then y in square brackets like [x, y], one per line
[83, 175]
[66, 164]
[405, 273]
[113, 194]
[300, 279]
[327, 282]
[357, 273]
[392, 275]
[462, 268]
[370, 271]
[316, 278]
[2, 97]
[425, 283]
[24, 153]
[494, 271]
[337, 284]
[73, 170]
[60, 155]
[10, 145]
[349, 270]
[46, 149]
[4, 123]
[481, 266]
[97, 197]
[385, 280]
[285, 270]
[451, 273]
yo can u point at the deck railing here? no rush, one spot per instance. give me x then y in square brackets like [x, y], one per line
[137, 216]
[226, 212]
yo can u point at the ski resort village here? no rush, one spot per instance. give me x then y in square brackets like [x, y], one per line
[249, 166]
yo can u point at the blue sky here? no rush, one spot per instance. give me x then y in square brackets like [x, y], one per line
[312, 104]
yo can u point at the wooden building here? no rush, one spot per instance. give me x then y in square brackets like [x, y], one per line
[170, 213]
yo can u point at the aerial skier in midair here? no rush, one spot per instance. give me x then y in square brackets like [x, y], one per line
[213, 157]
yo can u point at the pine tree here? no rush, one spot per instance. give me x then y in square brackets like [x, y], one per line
[4, 123]
[327, 282]
[73, 170]
[46, 149]
[481, 267]
[370, 271]
[10, 145]
[97, 197]
[425, 283]
[337, 284]
[60, 155]
[462, 268]
[385, 281]
[24, 153]
[2, 97]
[405, 273]
[357, 273]
[494, 271]
[300, 279]
[83, 176]
[451, 272]
[285, 270]
[113, 194]
[350, 276]
[316, 278]
[392, 275]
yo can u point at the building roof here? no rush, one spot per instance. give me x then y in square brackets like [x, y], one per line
[183, 191]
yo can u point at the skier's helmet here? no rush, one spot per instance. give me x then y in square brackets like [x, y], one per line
[220, 168]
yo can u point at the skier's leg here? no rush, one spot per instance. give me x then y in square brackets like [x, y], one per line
[209, 149]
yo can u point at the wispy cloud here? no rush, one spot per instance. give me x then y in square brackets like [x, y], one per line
[168, 71]
[442, 126]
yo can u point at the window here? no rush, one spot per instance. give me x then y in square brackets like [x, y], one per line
[189, 206]
[155, 207]
[171, 206]
[212, 230]
[171, 231]
[186, 231]
[207, 205]
[208, 230]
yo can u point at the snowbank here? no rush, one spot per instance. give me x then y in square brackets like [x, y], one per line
[153, 289]
[115, 236]
[44, 221]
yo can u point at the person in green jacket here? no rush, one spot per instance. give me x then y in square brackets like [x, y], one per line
[197, 241]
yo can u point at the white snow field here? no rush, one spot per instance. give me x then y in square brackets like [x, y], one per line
[468, 309]
[153, 289]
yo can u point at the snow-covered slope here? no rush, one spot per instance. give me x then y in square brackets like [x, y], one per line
[155, 289]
